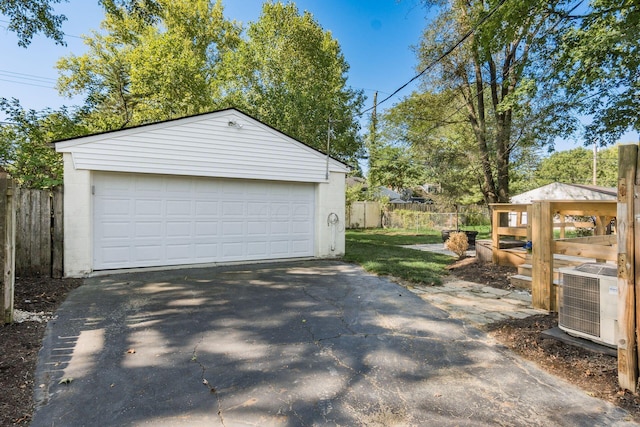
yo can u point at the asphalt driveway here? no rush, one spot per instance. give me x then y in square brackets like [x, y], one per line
[288, 344]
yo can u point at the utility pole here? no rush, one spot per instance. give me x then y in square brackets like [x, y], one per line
[595, 163]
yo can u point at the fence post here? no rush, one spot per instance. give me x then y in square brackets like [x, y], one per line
[626, 235]
[542, 295]
[57, 233]
[7, 245]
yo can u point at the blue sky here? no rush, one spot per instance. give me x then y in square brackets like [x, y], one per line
[375, 35]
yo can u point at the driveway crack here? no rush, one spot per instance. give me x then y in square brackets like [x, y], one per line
[205, 382]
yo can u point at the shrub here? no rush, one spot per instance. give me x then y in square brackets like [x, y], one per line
[457, 243]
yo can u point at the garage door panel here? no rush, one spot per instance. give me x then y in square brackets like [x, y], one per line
[258, 209]
[115, 230]
[300, 246]
[152, 220]
[149, 184]
[206, 229]
[147, 229]
[179, 252]
[148, 207]
[257, 229]
[232, 229]
[257, 249]
[299, 227]
[232, 250]
[205, 252]
[279, 247]
[206, 208]
[233, 209]
[280, 210]
[179, 229]
[178, 208]
[279, 228]
[117, 206]
[146, 253]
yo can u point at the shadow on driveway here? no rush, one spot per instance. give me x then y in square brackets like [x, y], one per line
[287, 344]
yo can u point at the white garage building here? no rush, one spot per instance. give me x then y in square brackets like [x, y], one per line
[219, 187]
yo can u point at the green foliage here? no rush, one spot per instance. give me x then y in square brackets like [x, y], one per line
[291, 74]
[576, 167]
[408, 219]
[598, 64]
[28, 18]
[378, 252]
[488, 103]
[145, 67]
[395, 167]
[445, 154]
[162, 59]
[475, 216]
[25, 143]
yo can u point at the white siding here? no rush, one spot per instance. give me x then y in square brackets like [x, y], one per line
[202, 146]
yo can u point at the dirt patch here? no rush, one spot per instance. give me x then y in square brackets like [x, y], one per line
[594, 373]
[472, 270]
[21, 342]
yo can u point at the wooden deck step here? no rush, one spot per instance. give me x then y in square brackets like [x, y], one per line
[520, 281]
[526, 270]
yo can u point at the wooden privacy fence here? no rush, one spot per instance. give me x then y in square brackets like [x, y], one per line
[364, 215]
[39, 233]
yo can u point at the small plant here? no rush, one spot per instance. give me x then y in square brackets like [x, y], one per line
[458, 243]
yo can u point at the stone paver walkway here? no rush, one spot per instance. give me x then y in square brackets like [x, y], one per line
[474, 303]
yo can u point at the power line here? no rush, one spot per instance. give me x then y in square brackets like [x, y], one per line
[30, 77]
[64, 34]
[441, 57]
[27, 83]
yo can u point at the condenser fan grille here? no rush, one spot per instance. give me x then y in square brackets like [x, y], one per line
[580, 304]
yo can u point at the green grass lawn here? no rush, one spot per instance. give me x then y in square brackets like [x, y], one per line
[378, 251]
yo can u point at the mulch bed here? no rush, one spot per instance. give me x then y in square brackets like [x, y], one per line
[21, 343]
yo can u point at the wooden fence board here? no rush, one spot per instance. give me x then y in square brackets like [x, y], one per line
[39, 236]
[57, 233]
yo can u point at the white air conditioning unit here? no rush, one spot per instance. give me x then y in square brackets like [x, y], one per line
[589, 302]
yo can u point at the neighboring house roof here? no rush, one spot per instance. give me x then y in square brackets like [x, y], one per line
[355, 180]
[394, 196]
[561, 191]
[225, 143]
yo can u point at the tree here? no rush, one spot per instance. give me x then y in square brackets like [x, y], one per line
[598, 64]
[25, 143]
[291, 74]
[576, 167]
[445, 151]
[492, 77]
[28, 18]
[395, 167]
[143, 70]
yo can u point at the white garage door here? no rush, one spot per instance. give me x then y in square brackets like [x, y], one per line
[155, 220]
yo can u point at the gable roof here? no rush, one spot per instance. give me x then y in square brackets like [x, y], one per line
[562, 191]
[226, 143]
